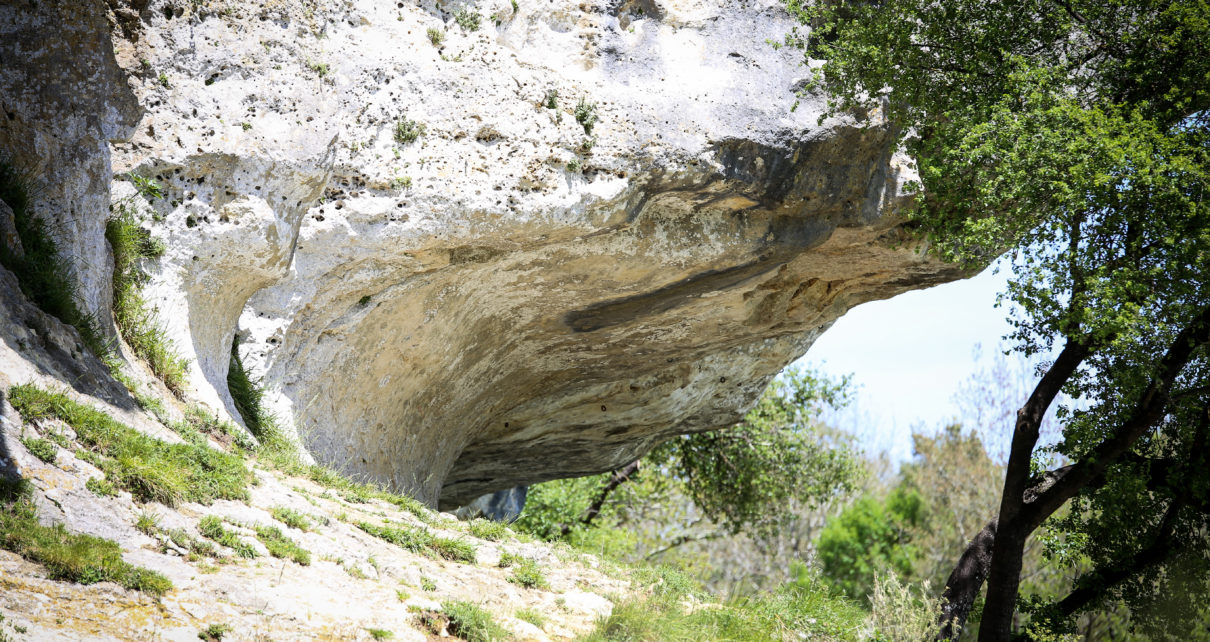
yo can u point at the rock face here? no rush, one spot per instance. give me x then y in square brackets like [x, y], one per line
[612, 224]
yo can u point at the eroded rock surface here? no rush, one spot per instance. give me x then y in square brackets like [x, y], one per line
[509, 297]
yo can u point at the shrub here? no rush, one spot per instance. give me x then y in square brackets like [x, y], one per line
[468, 20]
[152, 470]
[214, 632]
[551, 100]
[407, 131]
[380, 634]
[436, 36]
[586, 115]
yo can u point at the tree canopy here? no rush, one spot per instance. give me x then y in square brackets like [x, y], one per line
[1072, 133]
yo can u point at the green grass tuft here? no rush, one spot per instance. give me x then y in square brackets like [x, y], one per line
[43, 274]
[71, 556]
[527, 573]
[531, 615]
[43, 449]
[488, 530]
[137, 321]
[416, 540]
[101, 487]
[472, 623]
[281, 546]
[380, 634]
[152, 470]
[455, 550]
[292, 518]
[212, 527]
[407, 131]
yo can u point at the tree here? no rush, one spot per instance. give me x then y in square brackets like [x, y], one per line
[715, 484]
[1074, 134]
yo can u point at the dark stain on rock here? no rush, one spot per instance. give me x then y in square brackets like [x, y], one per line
[610, 313]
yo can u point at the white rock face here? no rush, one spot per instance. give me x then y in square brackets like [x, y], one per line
[509, 297]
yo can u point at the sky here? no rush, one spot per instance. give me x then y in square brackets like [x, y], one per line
[908, 355]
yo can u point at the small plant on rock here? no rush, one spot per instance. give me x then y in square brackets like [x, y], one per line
[407, 130]
[586, 115]
[436, 36]
[468, 20]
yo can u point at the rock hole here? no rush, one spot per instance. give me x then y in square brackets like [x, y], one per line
[602, 408]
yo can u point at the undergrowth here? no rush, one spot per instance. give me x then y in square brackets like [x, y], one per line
[137, 321]
[151, 469]
[465, 620]
[67, 556]
[212, 527]
[43, 274]
[803, 609]
[419, 540]
[281, 546]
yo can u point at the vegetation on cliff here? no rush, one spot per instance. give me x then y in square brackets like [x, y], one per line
[1074, 134]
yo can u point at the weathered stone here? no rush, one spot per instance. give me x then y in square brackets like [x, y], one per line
[8, 232]
[447, 285]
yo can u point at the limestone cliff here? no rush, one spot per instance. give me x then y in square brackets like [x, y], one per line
[462, 259]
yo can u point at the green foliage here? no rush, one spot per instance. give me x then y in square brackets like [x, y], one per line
[101, 487]
[550, 505]
[214, 632]
[150, 469]
[529, 574]
[43, 274]
[436, 36]
[291, 518]
[407, 130]
[137, 320]
[551, 99]
[320, 68]
[380, 634]
[488, 530]
[531, 615]
[586, 114]
[281, 546]
[427, 584]
[212, 527]
[573, 166]
[804, 608]
[1075, 134]
[41, 448]
[868, 537]
[420, 540]
[468, 20]
[471, 623]
[70, 556]
[148, 188]
[744, 477]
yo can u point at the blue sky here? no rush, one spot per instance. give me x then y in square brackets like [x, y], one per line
[908, 356]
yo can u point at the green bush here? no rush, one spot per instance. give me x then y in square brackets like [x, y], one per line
[152, 470]
[586, 115]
